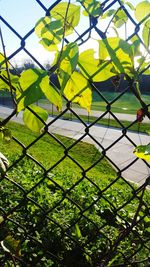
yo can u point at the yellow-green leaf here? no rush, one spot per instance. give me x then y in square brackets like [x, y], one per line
[50, 93]
[48, 45]
[136, 45]
[50, 32]
[3, 61]
[35, 84]
[42, 24]
[108, 13]
[31, 90]
[73, 15]
[13, 78]
[120, 18]
[77, 231]
[11, 245]
[143, 152]
[146, 33]
[142, 10]
[1, 219]
[94, 69]
[67, 64]
[130, 5]
[92, 7]
[33, 122]
[78, 90]
[118, 51]
[6, 134]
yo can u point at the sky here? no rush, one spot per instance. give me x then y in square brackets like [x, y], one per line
[22, 15]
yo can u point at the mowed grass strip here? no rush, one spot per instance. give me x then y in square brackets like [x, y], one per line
[126, 104]
[48, 152]
[98, 206]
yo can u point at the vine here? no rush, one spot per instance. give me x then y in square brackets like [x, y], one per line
[115, 57]
[77, 71]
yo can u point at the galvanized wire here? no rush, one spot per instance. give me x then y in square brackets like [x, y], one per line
[35, 231]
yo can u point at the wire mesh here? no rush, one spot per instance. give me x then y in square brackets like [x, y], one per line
[92, 215]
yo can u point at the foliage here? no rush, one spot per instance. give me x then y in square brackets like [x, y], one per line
[76, 72]
[143, 152]
[27, 174]
[116, 56]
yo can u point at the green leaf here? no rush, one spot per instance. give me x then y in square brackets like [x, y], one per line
[143, 152]
[120, 18]
[7, 134]
[147, 71]
[142, 10]
[1, 219]
[108, 13]
[119, 52]
[67, 64]
[50, 93]
[50, 32]
[92, 7]
[130, 5]
[33, 122]
[11, 245]
[79, 91]
[94, 69]
[4, 163]
[147, 151]
[42, 25]
[48, 44]
[147, 229]
[31, 89]
[3, 61]
[73, 15]
[35, 84]
[143, 65]
[146, 33]
[13, 78]
[77, 231]
[136, 45]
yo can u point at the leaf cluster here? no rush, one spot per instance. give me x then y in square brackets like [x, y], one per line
[89, 245]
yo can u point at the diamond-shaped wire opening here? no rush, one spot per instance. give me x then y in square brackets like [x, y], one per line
[62, 216]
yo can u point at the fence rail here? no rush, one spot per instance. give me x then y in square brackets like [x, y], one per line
[63, 202]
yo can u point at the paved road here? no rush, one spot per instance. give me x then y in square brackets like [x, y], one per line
[96, 113]
[120, 153]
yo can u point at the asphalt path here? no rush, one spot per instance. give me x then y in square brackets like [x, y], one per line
[96, 113]
[119, 147]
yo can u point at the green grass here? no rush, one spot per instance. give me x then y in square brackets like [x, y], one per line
[139, 128]
[126, 104]
[47, 151]
[108, 212]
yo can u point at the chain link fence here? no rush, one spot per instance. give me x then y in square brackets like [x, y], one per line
[73, 207]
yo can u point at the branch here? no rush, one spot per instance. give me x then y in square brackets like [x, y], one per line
[137, 95]
[5, 121]
[53, 68]
[7, 68]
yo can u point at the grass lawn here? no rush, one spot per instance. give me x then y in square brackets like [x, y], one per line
[75, 197]
[127, 103]
[140, 128]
